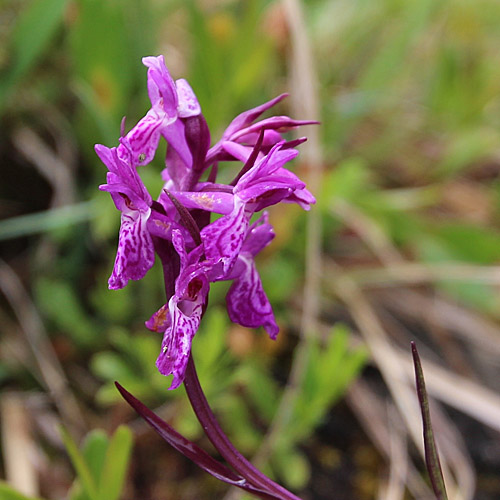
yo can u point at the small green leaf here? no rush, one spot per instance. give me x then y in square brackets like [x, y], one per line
[41, 222]
[115, 464]
[7, 492]
[294, 468]
[347, 181]
[111, 366]
[94, 451]
[465, 148]
[32, 34]
[80, 465]
[59, 302]
[262, 388]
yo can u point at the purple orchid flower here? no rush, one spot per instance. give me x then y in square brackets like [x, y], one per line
[193, 251]
[170, 104]
[221, 250]
[135, 255]
[247, 303]
[180, 318]
[264, 184]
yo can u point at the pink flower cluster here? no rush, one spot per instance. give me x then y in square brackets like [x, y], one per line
[176, 227]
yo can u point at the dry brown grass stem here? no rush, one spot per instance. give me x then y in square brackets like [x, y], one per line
[414, 273]
[369, 231]
[44, 359]
[477, 330]
[372, 415]
[394, 488]
[18, 448]
[392, 364]
[48, 163]
[393, 368]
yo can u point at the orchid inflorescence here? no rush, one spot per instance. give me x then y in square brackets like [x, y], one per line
[194, 251]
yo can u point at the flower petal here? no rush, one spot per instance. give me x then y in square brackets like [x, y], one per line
[259, 235]
[188, 103]
[135, 255]
[247, 303]
[247, 117]
[176, 344]
[173, 132]
[161, 87]
[279, 123]
[211, 201]
[160, 320]
[224, 237]
[145, 136]
[185, 309]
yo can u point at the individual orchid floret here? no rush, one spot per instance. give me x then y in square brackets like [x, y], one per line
[268, 182]
[242, 130]
[180, 318]
[247, 303]
[265, 183]
[135, 255]
[170, 104]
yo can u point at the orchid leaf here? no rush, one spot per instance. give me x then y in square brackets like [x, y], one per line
[190, 450]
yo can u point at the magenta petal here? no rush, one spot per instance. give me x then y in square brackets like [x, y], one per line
[223, 238]
[161, 87]
[244, 119]
[280, 123]
[302, 197]
[135, 255]
[271, 137]
[188, 103]
[211, 201]
[160, 320]
[176, 344]
[108, 157]
[262, 172]
[145, 136]
[174, 135]
[247, 303]
[238, 151]
[260, 234]
[176, 172]
[185, 309]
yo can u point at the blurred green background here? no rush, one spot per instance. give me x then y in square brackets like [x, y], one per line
[408, 205]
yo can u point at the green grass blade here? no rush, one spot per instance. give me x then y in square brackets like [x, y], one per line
[94, 452]
[81, 467]
[7, 492]
[115, 464]
[40, 222]
[31, 36]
